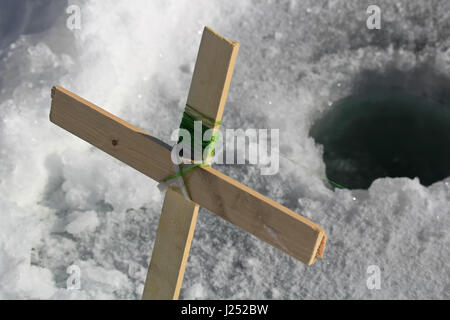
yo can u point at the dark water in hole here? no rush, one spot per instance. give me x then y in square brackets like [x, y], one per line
[390, 134]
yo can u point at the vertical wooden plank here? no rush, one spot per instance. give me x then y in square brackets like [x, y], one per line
[207, 94]
[212, 74]
[171, 249]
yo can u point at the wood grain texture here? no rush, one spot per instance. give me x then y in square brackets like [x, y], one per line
[208, 91]
[111, 134]
[171, 249]
[229, 199]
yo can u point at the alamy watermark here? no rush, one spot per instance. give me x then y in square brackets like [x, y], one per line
[73, 22]
[236, 146]
[373, 281]
[374, 20]
[73, 282]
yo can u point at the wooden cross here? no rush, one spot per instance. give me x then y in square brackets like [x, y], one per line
[227, 198]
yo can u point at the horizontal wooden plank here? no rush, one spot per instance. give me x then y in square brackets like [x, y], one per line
[111, 134]
[256, 214]
[229, 199]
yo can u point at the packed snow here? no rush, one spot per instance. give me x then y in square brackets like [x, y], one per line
[65, 203]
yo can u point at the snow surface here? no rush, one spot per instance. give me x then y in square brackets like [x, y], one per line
[63, 202]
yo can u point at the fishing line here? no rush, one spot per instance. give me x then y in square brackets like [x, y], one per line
[190, 116]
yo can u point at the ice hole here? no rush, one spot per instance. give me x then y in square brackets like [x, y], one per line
[393, 124]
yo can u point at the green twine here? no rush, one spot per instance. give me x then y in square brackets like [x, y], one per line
[185, 170]
[336, 184]
[190, 115]
[198, 116]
